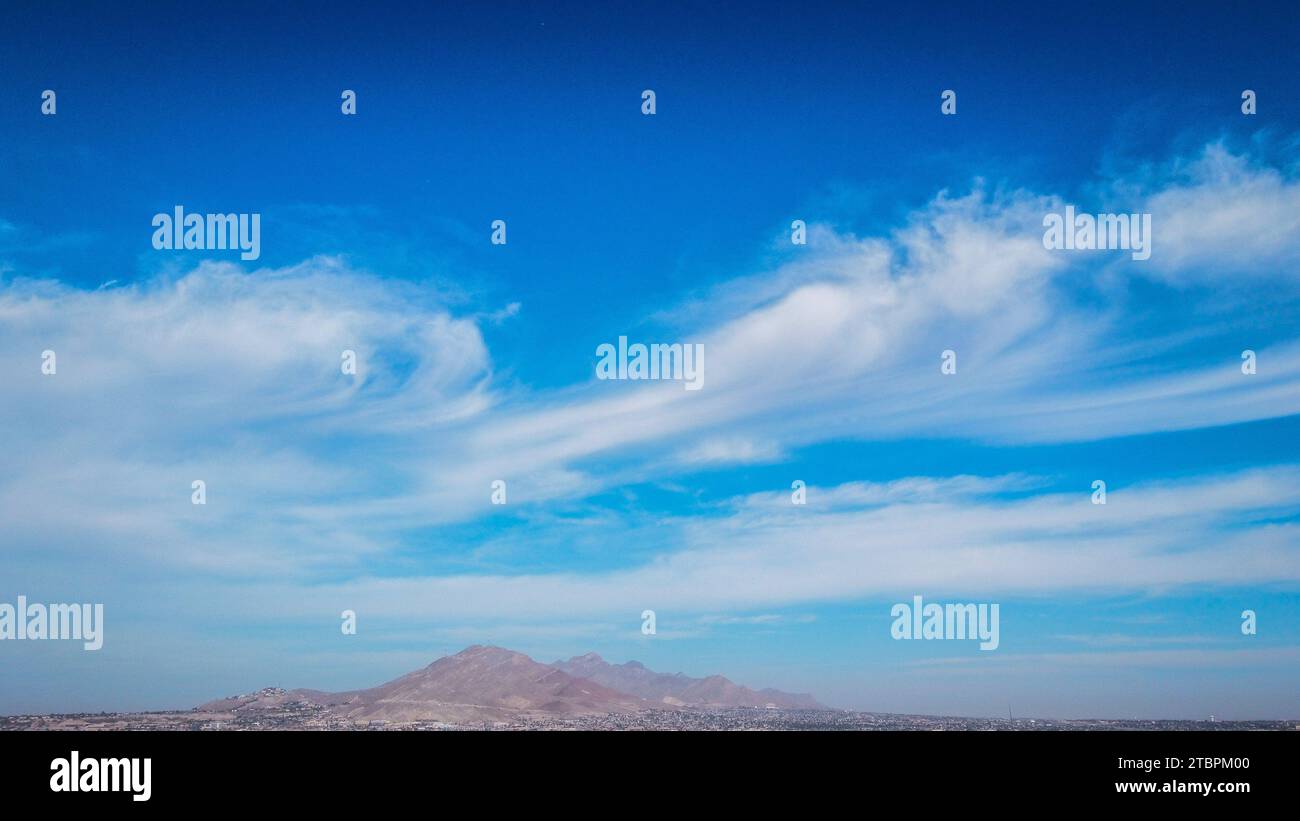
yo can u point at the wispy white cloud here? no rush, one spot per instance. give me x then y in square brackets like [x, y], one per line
[234, 378]
[1220, 215]
[1233, 530]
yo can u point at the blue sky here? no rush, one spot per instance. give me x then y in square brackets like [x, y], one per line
[477, 361]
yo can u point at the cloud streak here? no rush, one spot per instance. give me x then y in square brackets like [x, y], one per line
[234, 378]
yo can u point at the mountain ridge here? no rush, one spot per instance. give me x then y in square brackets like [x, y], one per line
[484, 683]
[678, 689]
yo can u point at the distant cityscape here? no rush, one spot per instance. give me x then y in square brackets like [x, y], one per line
[301, 715]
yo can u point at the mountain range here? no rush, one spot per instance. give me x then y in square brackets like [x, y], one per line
[677, 690]
[486, 684]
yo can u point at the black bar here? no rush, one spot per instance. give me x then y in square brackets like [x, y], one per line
[334, 770]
